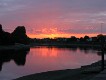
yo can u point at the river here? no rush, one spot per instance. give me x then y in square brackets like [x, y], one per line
[42, 59]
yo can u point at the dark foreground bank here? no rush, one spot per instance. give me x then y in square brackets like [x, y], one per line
[83, 73]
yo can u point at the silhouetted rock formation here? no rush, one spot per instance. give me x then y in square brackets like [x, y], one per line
[19, 35]
[5, 37]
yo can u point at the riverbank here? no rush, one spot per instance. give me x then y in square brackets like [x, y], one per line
[83, 73]
[16, 47]
[67, 45]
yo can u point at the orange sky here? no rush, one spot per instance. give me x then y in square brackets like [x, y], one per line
[58, 35]
[54, 18]
[55, 32]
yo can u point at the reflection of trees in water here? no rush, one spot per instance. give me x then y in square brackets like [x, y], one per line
[87, 50]
[19, 57]
[84, 49]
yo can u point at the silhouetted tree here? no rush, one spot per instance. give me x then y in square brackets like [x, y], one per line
[73, 39]
[5, 37]
[101, 38]
[19, 35]
[86, 38]
[81, 39]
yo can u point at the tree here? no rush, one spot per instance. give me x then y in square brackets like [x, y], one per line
[81, 39]
[19, 35]
[73, 39]
[5, 37]
[86, 38]
[101, 38]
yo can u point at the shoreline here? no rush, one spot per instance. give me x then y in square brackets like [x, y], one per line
[16, 47]
[68, 45]
[84, 73]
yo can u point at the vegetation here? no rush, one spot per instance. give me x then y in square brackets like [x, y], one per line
[17, 36]
[72, 40]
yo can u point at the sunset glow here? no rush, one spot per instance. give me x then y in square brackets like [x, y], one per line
[54, 18]
[52, 39]
[54, 32]
[59, 35]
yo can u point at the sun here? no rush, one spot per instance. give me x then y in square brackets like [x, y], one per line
[52, 35]
[43, 35]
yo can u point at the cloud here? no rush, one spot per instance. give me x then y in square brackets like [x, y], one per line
[68, 16]
[86, 30]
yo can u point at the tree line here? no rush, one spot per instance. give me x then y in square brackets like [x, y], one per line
[19, 36]
[82, 40]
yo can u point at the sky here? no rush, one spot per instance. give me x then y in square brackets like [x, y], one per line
[54, 18]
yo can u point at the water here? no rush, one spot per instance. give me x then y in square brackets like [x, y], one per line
[42, 59]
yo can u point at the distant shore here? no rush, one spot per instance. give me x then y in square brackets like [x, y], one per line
[24, 47]
[67, 45]
[83, 73]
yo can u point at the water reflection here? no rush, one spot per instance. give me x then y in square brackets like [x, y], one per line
[42, 59]
[19, 57]
[86, 50]
[63, 57]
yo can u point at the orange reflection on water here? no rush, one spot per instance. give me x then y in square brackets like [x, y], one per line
[43, 59]
[48, 52]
